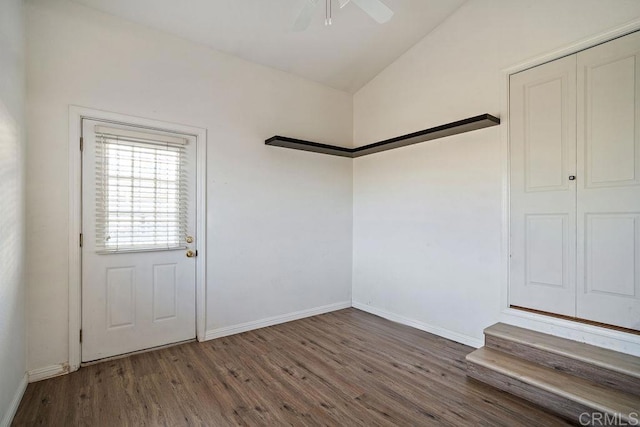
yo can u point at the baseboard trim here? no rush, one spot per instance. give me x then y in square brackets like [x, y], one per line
[445, 333]
[275, 320]
[48, 372]
[15, 402]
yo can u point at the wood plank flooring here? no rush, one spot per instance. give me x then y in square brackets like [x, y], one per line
[339, 369]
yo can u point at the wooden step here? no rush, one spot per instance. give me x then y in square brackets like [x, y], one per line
[567, 395]
[616, 370]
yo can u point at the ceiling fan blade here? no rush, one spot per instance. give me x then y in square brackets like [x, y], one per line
[375, 9]
[306, 15]
[343, 3]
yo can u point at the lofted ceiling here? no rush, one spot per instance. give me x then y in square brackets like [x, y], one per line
[345, 56]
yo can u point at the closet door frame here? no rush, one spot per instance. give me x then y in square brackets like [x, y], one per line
[591, 334]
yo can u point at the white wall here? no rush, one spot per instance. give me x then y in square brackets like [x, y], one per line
[427, 218]
[12, 304]
[279, 221]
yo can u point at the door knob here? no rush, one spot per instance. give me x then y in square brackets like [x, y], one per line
[189, 239]
[191, 254]
[572, 177]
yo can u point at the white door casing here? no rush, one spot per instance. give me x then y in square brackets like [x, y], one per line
[542, 197]
[134, 299]
[608, 190]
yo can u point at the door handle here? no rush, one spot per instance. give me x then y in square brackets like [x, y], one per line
[191, 254]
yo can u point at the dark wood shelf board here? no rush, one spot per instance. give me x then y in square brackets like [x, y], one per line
[461, 126]
[299, 144]
[454, 128]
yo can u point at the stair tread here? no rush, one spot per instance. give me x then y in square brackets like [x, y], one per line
[577, 389]
[602, 357]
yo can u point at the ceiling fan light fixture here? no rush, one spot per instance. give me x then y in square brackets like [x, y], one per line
[376, 9]
[327, 11]
[306, 15]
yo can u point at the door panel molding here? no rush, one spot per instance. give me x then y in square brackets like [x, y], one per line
[164, 310]
[76, 114]
[540, 244]
[120, 298]
[606, 272]
[555, 137]
[604, 119]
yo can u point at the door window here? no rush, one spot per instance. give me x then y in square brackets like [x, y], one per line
[140, 200]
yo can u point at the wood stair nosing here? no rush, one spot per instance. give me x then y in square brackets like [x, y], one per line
[561, 406]
[616, 370]
[563, 393]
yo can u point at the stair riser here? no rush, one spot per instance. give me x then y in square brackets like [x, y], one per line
[565, 364]
[564, 407]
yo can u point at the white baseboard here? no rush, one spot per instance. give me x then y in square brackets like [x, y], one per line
[15, 402]
[48, 372]
[445, 333]
[275, 320]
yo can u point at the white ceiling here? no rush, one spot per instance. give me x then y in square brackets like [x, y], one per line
[344, 56]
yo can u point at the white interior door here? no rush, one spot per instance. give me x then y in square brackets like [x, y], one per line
[543, 198]
[138, 221]
[609, 183]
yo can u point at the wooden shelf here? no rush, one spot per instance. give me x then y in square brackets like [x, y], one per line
[299, 144]
[454, 128]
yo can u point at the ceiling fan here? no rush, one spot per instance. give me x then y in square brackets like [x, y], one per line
[374, 8]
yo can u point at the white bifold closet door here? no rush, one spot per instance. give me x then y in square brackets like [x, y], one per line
[609, 185]
[575, 185]
[543, 198]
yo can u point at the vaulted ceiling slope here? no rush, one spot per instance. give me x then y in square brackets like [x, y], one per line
[345, 55]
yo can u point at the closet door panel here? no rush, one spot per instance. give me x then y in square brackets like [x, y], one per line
[546, 251]
[608, 105]
[608, 209]
[542, 127]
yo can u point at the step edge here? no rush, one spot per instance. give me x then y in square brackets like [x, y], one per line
[478, 375]
[550, 349]
[626, 412]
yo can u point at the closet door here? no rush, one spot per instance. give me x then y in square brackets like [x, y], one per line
[608, 282]
[543, 197]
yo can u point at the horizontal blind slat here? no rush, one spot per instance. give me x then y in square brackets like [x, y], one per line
[141, 190]
[156, 137]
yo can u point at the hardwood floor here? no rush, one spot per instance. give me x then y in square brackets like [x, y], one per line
[343, 368]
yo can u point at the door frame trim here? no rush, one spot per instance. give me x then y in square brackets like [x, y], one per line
[600, 336]
[76, 114]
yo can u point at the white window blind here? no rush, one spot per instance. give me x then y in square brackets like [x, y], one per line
[141, 194]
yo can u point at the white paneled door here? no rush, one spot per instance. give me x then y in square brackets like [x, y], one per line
[543, 194]
[138, 247]
[609, 183]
